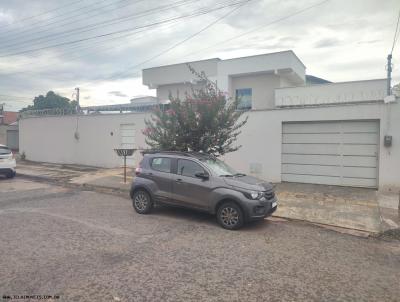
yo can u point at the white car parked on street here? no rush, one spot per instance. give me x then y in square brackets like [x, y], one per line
[7, 162]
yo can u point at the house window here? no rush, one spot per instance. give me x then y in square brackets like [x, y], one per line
[244, 97]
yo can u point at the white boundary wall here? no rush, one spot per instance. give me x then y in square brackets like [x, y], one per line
[51, 139]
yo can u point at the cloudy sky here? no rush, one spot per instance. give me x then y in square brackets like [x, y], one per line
[102, 45]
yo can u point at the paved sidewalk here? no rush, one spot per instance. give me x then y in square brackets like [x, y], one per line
[84, 176]
[351, 208]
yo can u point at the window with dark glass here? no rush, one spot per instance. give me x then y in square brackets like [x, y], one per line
[244, 97]
[162, 164]
[188, 168]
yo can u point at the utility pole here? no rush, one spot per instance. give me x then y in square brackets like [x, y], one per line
[389, 74]
[77, 99]
[1, 112]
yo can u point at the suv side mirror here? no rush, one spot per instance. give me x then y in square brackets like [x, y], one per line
[202, 175]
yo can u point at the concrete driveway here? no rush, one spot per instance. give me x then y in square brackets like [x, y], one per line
[86, 246]
[352, 208]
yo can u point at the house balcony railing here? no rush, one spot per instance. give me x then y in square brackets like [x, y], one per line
[332, 93]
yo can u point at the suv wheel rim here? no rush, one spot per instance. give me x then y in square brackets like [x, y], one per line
[141, 201]
[229, 216]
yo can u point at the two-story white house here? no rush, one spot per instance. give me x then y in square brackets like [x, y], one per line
[330, 133]
[323, 133]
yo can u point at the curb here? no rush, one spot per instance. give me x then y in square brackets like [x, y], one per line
[336, 228]
[105, 189]
[389, 235]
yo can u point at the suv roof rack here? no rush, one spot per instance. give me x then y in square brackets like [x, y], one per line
[182, 153]
[165, 152]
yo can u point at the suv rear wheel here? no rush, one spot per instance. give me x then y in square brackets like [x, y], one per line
[230, 216]
[142, 202]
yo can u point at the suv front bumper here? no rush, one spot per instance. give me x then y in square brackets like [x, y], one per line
[262, 209]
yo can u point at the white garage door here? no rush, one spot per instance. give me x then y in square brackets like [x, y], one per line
[128, 141]
[335, 153]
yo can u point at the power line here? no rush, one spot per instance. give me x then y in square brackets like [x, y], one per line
[255, 29]
[184, 40]
[395, 34]
[44, 13]
[258, 28]
[93, 46]
[85, 17]
[52, 18]
[140, 14]
[195, 13]
[270, 23]
[94, 26]
[14, 96]
[15, 101]
[77, 50]
[198, 13]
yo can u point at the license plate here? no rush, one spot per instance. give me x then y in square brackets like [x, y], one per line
[274, 204]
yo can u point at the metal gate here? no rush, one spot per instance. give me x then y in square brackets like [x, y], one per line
[334, 153]
[12, 139]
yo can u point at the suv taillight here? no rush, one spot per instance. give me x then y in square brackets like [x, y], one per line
[138, 170]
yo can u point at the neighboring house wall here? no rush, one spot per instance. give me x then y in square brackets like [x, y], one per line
[3, 134]
[332, 93]
[10, 117]
[52, 139]
[262, 86]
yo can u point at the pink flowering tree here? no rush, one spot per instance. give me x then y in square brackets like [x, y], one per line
[205, 121]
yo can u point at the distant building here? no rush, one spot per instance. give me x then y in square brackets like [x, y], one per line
[9, 128]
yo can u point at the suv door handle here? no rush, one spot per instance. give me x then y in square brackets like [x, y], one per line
[178, 180]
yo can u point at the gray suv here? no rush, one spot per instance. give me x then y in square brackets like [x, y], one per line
[202, 182]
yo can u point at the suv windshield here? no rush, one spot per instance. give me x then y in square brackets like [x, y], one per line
[219, 167]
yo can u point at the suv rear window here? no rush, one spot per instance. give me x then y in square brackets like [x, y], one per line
[4, 150]
[162, 164]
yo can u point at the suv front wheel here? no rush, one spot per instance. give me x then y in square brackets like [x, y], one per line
[141, 201]
[230, 216]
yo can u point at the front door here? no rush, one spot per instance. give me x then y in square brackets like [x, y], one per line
[187, 189]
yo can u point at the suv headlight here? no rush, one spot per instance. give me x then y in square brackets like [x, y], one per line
[253, 195]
